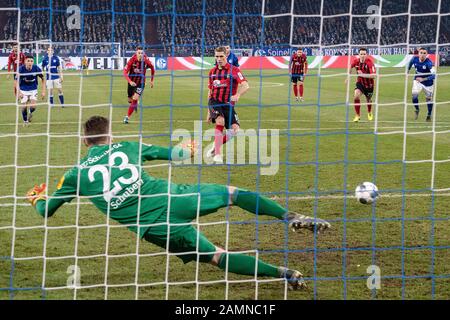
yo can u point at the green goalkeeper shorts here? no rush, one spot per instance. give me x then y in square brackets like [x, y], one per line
[186, 203]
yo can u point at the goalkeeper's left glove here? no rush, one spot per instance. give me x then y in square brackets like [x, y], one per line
[37, 193]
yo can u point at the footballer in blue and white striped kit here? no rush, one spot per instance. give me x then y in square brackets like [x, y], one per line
[423, 80]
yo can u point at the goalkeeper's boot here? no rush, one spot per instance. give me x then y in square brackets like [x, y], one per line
[299, 221]
[356, 118]
[293, 277]
[125, 119]
[26, 123]
[416, 114]
[211, 152]
[296, 98]
[218, 159]
[302, 99]
[370, 116]
[428, 118]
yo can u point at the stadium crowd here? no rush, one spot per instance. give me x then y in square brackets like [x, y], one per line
[200, 25]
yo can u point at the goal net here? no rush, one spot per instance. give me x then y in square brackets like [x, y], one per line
[306, 153]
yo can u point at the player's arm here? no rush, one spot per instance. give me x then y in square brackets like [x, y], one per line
[10, 61]
[126, 71]
[210, 84]
[152, 152]
[243, 85]
[242, 89]
[47, 207]
[372, 72]
[410, 64]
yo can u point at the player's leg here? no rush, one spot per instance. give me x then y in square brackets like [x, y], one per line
[300, 83]
[429, 97]
[357, 101]
[58, 86]
[416, 89]
[24, 97]
[15, 86]
[294, 80]
[231, 120]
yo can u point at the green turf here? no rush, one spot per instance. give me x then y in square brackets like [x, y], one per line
[321, 153]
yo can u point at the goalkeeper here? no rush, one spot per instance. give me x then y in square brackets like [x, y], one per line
[111, 176]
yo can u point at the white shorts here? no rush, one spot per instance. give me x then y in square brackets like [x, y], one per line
[54, 84]
[28, 95]
[418, 87]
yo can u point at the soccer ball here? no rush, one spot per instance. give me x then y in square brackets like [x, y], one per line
[366, 192]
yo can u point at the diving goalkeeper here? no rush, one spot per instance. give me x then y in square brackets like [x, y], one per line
[111, 176]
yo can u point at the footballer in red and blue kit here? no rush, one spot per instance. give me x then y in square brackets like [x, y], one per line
[423, 80]
[15, 60]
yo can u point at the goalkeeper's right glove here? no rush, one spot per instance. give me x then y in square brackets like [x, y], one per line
[37, 193]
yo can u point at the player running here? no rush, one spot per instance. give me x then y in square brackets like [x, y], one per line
[111, 177]
[365, 83]
[52, 68]
[423, 80]
[28, 85]
[15, 60]
[226, 85]
[298, 67]
[134, 72]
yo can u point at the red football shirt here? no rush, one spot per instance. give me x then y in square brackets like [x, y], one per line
[367, 67]
[135, 70]
[299, 64]
[15, 60]
[223, 82]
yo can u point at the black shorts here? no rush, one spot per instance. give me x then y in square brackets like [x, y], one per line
[298, 77]
[137, 89]
[368, 92]
[226, 110]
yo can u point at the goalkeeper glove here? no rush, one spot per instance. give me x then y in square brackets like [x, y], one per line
[37, 193]
[192, 146]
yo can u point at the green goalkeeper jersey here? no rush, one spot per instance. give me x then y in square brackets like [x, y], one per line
[113, 179]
